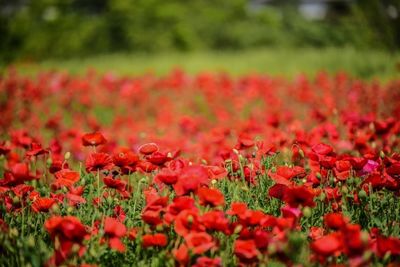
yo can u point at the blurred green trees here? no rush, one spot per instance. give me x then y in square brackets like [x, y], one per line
[64, 28]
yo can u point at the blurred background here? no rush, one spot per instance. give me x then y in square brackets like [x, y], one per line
[36, 30]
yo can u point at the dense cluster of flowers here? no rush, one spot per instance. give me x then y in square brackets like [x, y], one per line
[205, 170]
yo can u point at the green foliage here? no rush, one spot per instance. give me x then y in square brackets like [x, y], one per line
[65, 28]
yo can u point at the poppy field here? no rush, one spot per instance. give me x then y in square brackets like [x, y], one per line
[204, 169]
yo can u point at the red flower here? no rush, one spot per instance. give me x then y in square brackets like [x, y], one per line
[277, 191]
[36, 150]
[65, 178]
[199, 242]
[98, 161]
[119, 213]
[299, 196]
[126, 160]
[215, 220]
[209, 196]
[327, 245]
[43, 204]
[387, 244]
[181, 254]
[114, 230]
[190, 179]
[93, 139]
[167, 176]
[69, 231]
[335, 221]
[208, 262]
[18, 174]
[156, 240]
[148, 148]
[246, 250]
[187, 221]
[158, 158]
[322, 149]
[117, 184]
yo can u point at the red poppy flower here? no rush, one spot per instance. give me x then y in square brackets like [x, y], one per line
[148, 148]
[208, 262]
[322, 149]
[43, 204]
[387, 244]
[126, 160]
[187, 221]
[215, 221]
[93, 139]
[167, 176]
[18, 174]
[158, 158]
[98, 161]
[327, 245]
[36, 150]
[246, 250]
[210, 196]
[117, 184]
[156, 240]
[190, 179]
[113, 231]
[119, 213]
[65, 178]
[181, 254]
[199, 242]
[277, 191]
[299, 196]
[334, 221]
[69, 231]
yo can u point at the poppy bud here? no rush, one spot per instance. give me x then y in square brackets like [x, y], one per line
[49, 161]
[322, 196]
[70, 209]
[235, 151]
[55, 209]
[364, 237]
[382, 154]
[307, 212]
[238, 229]
[67, 155]
[362, 194]
[301, 152]
[31, 242]
[367, 255]
[14, 232]
[75, 248]
[272, 249]
[318, 175]
[345, 190]
[16, 200]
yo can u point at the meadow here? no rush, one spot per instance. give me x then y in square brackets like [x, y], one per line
[259, 158]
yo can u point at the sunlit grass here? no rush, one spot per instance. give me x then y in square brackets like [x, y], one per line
[288, 63]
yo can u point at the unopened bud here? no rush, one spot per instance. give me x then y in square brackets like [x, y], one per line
[307, 212]
[238, 229]
[362, 194]
[67, 155]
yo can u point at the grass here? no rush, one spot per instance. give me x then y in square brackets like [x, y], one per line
[362, 64]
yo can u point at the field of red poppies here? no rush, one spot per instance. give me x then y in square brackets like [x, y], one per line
[198, 170]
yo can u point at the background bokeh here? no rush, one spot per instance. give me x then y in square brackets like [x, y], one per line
[42, 29]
